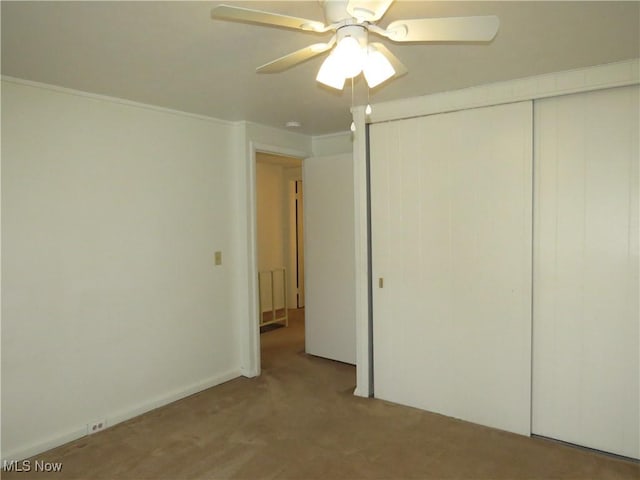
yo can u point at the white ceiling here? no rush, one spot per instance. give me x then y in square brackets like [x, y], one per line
[172, 54]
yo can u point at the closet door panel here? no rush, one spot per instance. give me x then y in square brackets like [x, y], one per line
[586, 364]
[451, 239]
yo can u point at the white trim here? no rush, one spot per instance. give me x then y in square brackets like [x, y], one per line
[118, 417]
[117, 100]
[248, 123]
[531, 88]
[361, 254]
[331, 135]
[251, 366]
[275, 150]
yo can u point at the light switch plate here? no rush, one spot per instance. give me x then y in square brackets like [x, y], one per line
[218, 258]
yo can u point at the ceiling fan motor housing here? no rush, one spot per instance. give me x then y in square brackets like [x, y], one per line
[357, 32]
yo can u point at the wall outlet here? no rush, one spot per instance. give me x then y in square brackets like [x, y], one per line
[96, 427]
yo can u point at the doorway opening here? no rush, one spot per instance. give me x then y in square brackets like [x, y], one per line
[280, 252]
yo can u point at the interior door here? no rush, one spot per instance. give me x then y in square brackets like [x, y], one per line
[586, 363]
[329, 257]
[451, 263]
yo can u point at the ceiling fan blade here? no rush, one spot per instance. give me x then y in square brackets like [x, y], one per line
[299, 56]
[451, 29]
[227, 12]
[368, 10]
[397, 64]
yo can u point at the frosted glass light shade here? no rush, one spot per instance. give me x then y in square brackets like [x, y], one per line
[348, 59]
[377, 68]
[331, 74]
[345, 61]
[349, 55]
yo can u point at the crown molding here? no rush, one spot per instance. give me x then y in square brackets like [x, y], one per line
[110, 99]
[530, 88]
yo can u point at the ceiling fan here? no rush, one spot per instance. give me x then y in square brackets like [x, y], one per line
[352, 21]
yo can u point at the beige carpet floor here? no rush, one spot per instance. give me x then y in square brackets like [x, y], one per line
[299, 420]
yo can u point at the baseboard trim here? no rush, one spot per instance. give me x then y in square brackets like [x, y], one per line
[118, 417]
[358, 393]
[249, 372]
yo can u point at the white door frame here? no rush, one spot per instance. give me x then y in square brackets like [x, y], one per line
[253, 339]
[298, 226]
[364, 338]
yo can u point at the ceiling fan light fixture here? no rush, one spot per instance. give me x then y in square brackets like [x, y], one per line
[377, 68]
[353, 21]
[349, 56]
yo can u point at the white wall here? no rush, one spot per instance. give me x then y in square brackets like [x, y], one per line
[272, 230]
[332, 144]
[114, 184]
[111, 303]
[270, 191]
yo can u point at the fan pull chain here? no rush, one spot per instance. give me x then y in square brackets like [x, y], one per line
[368, 110]
[353, 124]
[352, 93]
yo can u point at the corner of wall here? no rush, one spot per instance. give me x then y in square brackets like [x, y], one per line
[332, 144]
[115, 418]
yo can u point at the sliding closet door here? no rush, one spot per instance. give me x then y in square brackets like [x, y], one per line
[586, 364]
[451, 251]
